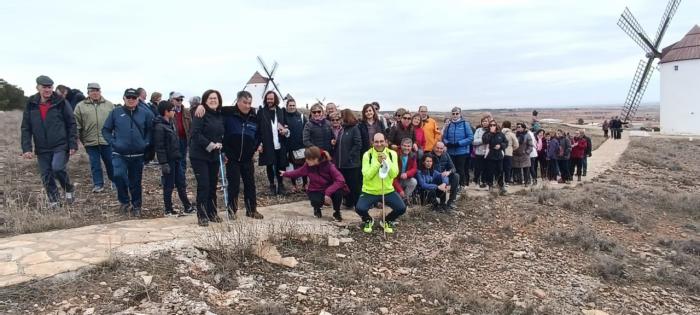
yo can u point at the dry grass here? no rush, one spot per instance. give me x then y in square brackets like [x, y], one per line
[584, 237]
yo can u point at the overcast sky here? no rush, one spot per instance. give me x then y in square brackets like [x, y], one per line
[490, 53]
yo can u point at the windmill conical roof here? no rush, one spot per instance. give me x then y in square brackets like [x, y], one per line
[688, 48]
[257, 78]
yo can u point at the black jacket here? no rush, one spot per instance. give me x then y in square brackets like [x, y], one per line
[398, 133]
[206, 130]
[443, 163]
[295, 122]
[347, 152]
[364, 133]
[319, 134]
[165, 141]
[589, 145]
[493, 139]
[58, 132]
[242, 135]
[265, 119]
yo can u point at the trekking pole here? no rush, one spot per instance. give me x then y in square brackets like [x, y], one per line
[383, 173]
[224, 185]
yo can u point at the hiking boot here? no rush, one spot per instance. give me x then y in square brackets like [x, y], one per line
[388, 227]
[367, 225]
[124, 208]
[450, 205]
[436, 207]
[254, 215]
[171, 214]
[579, 178]
[188, 211]
[482, 185]
[337, 217]
[281, 191]
[503, 191]
[97, 189]
[273, 190]
[202, 221]
[216, 218]
[317, 213]
[136, 212]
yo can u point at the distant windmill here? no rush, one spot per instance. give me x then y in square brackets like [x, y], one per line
[631, 26]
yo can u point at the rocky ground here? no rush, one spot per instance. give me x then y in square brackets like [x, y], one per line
[627, 243]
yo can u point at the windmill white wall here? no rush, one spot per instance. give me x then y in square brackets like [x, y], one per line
[680, 97]
[256, 90]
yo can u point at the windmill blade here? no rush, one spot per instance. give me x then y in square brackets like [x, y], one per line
[637, 88]
[262, 63]
[274, 68]
[671, 9]
[631, 26]
[320, 101]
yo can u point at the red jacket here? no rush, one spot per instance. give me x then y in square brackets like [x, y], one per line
[578, 151]
[411, 170]
[323, 177]
[420, 137]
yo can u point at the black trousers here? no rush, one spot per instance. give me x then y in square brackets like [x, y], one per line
[508, 168]
[462, 165]
[353, 178]
[273, 170]
[235, 171]
[207, 174]
[533, 168]
[493, 169]
[433, 196]
[479, 168]
[578, 164]
[564, 169]
[317, 198]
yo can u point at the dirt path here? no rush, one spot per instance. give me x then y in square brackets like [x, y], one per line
[35, 256]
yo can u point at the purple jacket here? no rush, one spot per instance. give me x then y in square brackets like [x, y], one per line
[552, 148]
[323, 177]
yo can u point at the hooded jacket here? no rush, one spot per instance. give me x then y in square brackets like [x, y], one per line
[564, 152]
[513, 143]
[323, 177]
[348, 148]
[399, 132]
[371, 183]
[56, 133]
[165, 141]
[128, 131]
[521, 156]
[491, 140]
[443, 163]
[318, 133]
[206, 131]
[481, 147]
[432, 134]
[552, 148]
[241, 134]
[296, 123]
[458, 137]
[90, 117]
[430, 179]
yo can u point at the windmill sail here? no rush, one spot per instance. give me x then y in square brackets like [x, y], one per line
[637, 89]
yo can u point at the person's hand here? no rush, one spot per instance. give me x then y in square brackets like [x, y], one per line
[225, 159]
[497, 147]
[394, 147]
[218, 146]
[260, 148]
[28, 155]
[402, 194]
[442, 187]
[327, 200]
[199, 112]
[381, 157]
[404, 176]
[415, 147]
[445, 173]
[71, 151]
[333, 141]
[282, 173]
[165, 168]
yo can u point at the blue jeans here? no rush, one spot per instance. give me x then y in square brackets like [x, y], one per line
[367, 201]
[176, 178]
[183, 161]
[53, 167]
[97, 153]
[127, 177]
[585, 164]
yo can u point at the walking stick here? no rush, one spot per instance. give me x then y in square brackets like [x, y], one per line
[224, 185]
[383, 173]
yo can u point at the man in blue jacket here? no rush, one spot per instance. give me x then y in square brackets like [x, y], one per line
[128, 130]
[444, 165]
[48, 121]
[458, 137]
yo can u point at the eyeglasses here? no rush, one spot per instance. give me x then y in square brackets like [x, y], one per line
[315, 111]
[406, 118]
[93, 90]
[455, 114]
[131, 97]
[335, 119]
[179, 99]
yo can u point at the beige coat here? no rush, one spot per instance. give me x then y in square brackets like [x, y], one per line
[512, 141]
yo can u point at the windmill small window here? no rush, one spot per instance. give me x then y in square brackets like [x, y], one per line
[675, 68]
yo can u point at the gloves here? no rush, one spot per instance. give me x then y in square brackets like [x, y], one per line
[165, 168]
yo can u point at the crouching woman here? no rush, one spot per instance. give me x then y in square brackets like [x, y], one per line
[326, 183]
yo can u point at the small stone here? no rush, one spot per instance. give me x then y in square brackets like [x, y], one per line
[282, 287]
[324, 313]
[403, 271]
[352, 292]
[89, 311]
[333, 242]
[103, 283]
[539, 294]
[303, 289]
[384, 310]
[377, 290]
[519, 254]
[119, 293]
[411, 299]
[593, 312]
[344, 232]
[340, 255]
[147, 280]
[346, 240]
[96, 297]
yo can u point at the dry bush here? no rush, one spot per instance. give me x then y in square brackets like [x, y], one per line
[610, 268]
[269, 308]
[670, 276]
[616, 212]
[584, 237]
[678, 202]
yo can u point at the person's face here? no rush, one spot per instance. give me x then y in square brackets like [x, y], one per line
[142, 96]
[485, 123]
[330, 108]
[244, 104]
[439, 149]
[316, 113]
[155, 100]
[270, 100]
[416, 121]
[547, 137]
[406, 120]
[406, 147]
[212, 101]
[492, 126]
[376, 108]
[45, 91]
[519, 128]
[577, 134]
[369, 113]
[379, 142]
[131, 101]
[423, 111]
[291, 106]
[178, 101]
[94, 94]
[428, 163]
[335, 121]
[311, 162]
[455, 114]
[170, 114]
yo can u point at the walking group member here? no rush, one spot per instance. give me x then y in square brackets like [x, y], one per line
[541, 147]
[419, 145]
[589, 151]
[48, 122]
[493, 158]
[90, 116]
[156, 97]
[533, 155]
[508, 157]
[458, 138]
[296, 121]
[402, 130]
[552, 152]
[406, 182]
[347, 155]
[205, 146]
[317, 131]
[432, 184]
[241, 138]
[374, 187]
[370, 125]
[521, 155]
[128, 130]
[606, 127]
[182, 121]
[563, 156]
[480, 151]
[166, 143]
[579, 147]
[274, 134]
[430, 129]
[330, 110]
[443, 164]
[326, 184]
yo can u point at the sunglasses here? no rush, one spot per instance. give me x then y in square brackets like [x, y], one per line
[316, 112]
[492, 125]
[335, 119]
[406, 118]
[455, 114]
[131, 97]
[179, 99]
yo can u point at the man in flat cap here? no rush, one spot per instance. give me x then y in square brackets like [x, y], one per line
[48, 122]
[90, 115]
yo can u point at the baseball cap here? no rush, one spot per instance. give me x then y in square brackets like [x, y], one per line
[131, 92]
[177, 95]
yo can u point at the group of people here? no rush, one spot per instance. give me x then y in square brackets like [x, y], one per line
[614, 127]
[334, 156]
